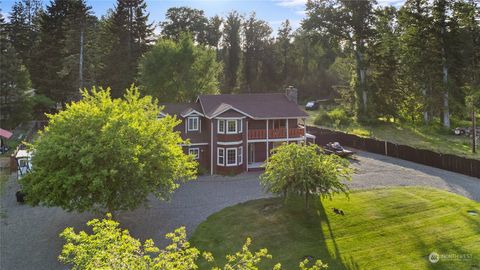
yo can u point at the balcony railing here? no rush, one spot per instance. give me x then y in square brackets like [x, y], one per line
[276, 133]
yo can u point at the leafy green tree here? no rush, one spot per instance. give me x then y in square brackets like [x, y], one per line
[232, 51]
[179, 20]
[127, 36]
[180, 71]
[110, 247]
[15, 102]
[305, 170]
[107, 154]
[214, 33]
[350, 22]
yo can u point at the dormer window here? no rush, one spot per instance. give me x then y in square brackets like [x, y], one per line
[193, 123]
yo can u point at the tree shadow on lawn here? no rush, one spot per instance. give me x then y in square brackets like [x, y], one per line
[334, 258]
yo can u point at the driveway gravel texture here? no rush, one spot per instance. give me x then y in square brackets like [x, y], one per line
[29, 235]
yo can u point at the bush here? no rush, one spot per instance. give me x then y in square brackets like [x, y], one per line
[337, 117]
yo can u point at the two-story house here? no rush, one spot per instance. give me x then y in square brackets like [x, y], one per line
[233, 133]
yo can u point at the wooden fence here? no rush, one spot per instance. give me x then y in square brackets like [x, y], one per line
[447, 162]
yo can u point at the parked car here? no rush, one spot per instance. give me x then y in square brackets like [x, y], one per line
[312, 105]
[337, 149]
[465, 131]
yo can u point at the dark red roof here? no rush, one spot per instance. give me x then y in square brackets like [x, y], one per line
[5, 134]
[257, 106]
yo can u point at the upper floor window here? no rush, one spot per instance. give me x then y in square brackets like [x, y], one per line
[231, 126]
[221, 126]
[193, 123]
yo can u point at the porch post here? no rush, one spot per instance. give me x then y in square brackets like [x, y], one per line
[247, 152]
[288, 136]
[305, 129]
[211, 147]
[267, 143]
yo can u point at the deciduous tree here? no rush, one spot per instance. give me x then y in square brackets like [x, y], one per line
[180, 71]
[305, 170]
[107, 154]
[110, 247]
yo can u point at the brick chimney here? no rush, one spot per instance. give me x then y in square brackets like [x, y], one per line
[292, 93]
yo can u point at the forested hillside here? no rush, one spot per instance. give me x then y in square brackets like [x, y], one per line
[418, 63]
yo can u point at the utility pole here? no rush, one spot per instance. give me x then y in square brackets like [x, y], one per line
[474, 130]
[80, 75]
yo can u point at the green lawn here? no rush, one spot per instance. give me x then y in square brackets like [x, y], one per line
[432, 137]
[382, 229]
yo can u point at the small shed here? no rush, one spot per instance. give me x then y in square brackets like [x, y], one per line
[24, 162]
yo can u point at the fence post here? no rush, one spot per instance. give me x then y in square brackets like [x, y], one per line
[386, 147]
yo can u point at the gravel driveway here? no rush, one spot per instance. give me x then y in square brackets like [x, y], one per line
[29, 236]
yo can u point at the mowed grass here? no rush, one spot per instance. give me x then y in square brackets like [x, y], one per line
[432, 137]
[382, 229]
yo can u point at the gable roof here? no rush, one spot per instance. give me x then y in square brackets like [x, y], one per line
[181, 109]
[256, 106]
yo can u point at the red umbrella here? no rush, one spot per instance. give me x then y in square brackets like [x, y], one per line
[5, 134]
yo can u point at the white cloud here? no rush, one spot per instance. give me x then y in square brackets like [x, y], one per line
[291, 3]
[301, 12]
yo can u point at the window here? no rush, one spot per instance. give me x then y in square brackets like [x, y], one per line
[231, 126]
[220, 156]
[231, 156]
[221, 126]
[192, 123]
[240, 155]
[240, 122]
[194, 151]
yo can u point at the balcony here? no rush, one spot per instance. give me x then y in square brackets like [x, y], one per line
[276, 133]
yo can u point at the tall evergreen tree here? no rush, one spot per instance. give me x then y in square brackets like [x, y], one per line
[383, 57]
[257, 39]
[14, 83]
[232, 50]
[130, 36]
[23, 27]
[53, 72]
[284, 47]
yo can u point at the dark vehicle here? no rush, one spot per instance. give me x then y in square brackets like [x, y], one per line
[337, 149]
[468, 131]
[312, 105]
[20, 196]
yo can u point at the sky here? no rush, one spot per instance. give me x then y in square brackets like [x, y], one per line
[272, 11]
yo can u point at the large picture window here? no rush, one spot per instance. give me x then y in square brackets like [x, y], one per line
[231, 126]
[192, 123]
[240, 155]
[220, 156]
[231, 156]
